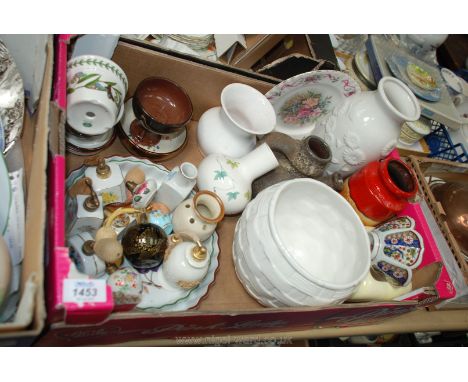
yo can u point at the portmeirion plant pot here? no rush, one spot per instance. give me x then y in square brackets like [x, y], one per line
[297, 159]
[231, 178]
[127, 288]
[199, 215]
[108, 182]
[367, 127]
[177, 185]
[81, 251]
[380, 190]
[396, 249]
[231, 129]
[96, 89]
[185, 263]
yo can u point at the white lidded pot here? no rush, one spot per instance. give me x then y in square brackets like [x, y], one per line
[231, 129]
[367, 127]
[185, 263]
[231, 178]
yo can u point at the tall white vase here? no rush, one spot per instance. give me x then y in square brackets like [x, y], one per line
[231, 178]
[366, 128]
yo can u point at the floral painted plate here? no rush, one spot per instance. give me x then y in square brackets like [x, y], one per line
[303, 100]
[399, 67]
[158, 297]
[5, 195]
[11, 101]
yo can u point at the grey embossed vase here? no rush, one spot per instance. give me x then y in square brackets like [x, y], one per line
[366, 128]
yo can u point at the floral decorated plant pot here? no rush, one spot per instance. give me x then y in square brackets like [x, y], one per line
[396, 249]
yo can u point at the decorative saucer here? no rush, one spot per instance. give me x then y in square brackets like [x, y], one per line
[138, 139]
[399, 67]
[303, 100]
[157, 296]
[454, 82]
[363, 69]
[81, 144]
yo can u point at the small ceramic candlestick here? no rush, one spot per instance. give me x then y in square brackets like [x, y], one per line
[185, 263]
[81, 251]
[84, 212]
[199, 215]
[177, 186]
[108, 182]
[127, 287]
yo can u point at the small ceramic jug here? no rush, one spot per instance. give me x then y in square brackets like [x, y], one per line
[186, 262]
[199, 215]
[108, 182]
[396, 249]
[177, 186]
[297, 159]
[380, 190]
[231, 178]
[84, 212]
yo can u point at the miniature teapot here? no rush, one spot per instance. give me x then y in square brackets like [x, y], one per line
[297, 159]
[186, 261]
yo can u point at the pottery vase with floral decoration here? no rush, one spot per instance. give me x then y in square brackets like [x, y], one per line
[366, 128]
[231, 178]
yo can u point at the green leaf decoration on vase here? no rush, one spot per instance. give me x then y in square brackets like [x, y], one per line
[220, 174]
[232, 195]
[232, 163]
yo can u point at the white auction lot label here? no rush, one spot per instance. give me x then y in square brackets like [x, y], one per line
[82, 290]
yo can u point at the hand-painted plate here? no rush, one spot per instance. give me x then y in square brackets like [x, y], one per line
[398, 66]
[5, 195]
[303, 100]
[11, 101]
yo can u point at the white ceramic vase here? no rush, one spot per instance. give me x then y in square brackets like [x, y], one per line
[231, 179]
[232, 128]
[367, 127]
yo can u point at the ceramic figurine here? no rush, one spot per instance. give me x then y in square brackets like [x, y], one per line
[84, 212]
[380, 190]
[199, 215]
[185, 262]
[144, 245]
[96, 89]
[81, 250]
[396, 249]
[177, 185]
[110, 251]
[367, 126]
[297, 159]
[5, 270]
[127, 288]
[108, 182]
[143, 194]
[453, 197]
[231, 178]
[231, 129]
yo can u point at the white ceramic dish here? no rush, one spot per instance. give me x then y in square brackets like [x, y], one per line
[167, 144]
[361, 61]
[156, 299]
[303, 100]
[455, 83]
[5, 193]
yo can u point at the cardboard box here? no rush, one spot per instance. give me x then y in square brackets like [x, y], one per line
[227, 308]
[34, 141]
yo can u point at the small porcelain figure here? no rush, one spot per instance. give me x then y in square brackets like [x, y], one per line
[84, 212]
[231, 178]
[199, 215]
[232, 128]
[396, 249]
[367, 127]
[81, 251]
[143, 194]
[108, 182]
[185, 263]
[178, 185]
[127, 287]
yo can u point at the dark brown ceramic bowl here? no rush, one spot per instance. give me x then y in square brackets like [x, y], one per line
[454, 200]
[163, 106]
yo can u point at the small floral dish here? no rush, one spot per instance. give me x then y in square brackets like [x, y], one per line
[303, 100]
[454, 83]
[416, 76]
[158, 297]
[11, 101]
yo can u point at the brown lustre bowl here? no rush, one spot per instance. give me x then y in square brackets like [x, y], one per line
[161, 105]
